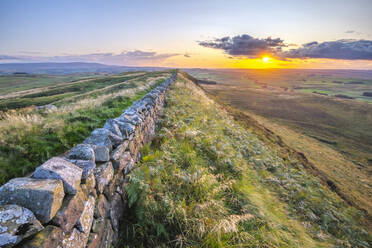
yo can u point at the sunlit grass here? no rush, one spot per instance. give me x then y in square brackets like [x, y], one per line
[28, 137]
[207, 182]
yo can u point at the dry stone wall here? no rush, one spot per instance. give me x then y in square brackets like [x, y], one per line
[78, 199]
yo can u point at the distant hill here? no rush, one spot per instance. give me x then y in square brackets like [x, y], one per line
[68, 68]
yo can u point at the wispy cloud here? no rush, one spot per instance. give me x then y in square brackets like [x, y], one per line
[248, 46]
[135, 57]
[350, 31]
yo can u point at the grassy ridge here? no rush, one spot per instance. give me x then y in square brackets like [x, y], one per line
[207, 182]
[27, 140]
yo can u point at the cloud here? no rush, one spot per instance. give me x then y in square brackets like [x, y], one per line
[187, 55]
[6, 57]
[350, 31]
[31, 52]
[340, 49]
[134, 57]
[246, 45]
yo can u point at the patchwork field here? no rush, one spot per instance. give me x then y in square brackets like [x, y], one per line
[29, 136]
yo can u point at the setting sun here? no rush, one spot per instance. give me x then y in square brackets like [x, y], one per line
[265, 59]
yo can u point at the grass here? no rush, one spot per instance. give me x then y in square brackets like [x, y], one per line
[28, 138]
[56, 93]
[15, 83]
[206, 181]
[332, 133]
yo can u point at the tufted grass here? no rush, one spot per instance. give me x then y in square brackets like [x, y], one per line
[29, 138]
[207, 182]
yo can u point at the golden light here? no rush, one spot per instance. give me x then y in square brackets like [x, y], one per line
[265, 59]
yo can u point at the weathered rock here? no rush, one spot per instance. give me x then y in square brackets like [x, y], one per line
[126, 128]
[132, 118]
[81, 152]
[49, 107]
[98, 225]
[133, 148]
[120, 158]
[102, 207]
[103, 175]
[104, 137]
[42, 197]
[85, 221]
[58, 168]
[101, 235]
[70, 212]
[16, 223]
[101, 153]
[51, 236]
[111, 188]
[129, 167]
[90, 183]
[107, 236]
[87, 166]
[113, 127]
[116, 211]
[75, 240]
[93, 240]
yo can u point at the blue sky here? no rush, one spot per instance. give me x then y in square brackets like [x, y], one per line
[34, 28]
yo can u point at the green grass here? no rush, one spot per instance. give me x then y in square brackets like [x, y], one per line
[23, 148]
[207, 182]
[15, 83]
[62, 91]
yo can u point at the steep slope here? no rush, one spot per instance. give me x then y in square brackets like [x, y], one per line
[206, 181]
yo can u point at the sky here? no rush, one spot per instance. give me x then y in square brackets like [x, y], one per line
[209, 34]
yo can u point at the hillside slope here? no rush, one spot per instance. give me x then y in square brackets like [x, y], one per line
[29, 137]
[206, 181]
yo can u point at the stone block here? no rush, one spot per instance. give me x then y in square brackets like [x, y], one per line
[101, 235]
[111, 188]
[120, 158]
[42, 197]
[104, 137]
[101, 153]
[75, 240]
[113, 127]
[16, 224]
[85, 221]
[58, 168]
[103, 175]
[102, 207]
[116, 211]
[70, 212]
[87, 166]
[81, 152]
[51, 236]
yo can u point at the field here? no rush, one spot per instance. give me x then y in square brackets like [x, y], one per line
[23, 91]
[29, 136]
[209, 181]
[334, 134]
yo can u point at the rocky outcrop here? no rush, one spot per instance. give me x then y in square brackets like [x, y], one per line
[79, 198]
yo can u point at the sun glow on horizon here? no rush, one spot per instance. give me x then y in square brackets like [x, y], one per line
[266, 59]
